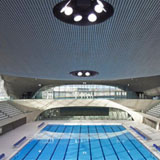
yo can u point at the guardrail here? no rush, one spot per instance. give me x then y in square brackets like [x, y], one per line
[140, 133]
[157, 147]
[2, 156]
[39, 126]
[19, 142]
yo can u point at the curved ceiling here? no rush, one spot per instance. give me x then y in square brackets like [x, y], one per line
[33, 43]
[17, 86]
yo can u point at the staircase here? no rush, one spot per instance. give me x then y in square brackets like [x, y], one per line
[154, 111]
[8, 111]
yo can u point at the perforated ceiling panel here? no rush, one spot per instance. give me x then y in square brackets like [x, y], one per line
[33, 43]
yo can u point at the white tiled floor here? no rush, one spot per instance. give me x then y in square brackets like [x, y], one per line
[152, 133]
[7, 140]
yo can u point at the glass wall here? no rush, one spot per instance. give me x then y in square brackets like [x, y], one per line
[87, 113]
[83, 92]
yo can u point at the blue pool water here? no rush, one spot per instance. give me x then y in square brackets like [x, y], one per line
[82, 142]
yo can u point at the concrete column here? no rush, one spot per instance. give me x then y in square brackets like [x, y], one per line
[157, 126]
[3, 92]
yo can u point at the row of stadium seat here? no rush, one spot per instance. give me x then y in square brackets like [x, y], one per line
[8, 111]
[154, 111]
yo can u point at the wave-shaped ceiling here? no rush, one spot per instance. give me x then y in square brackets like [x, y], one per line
[33, 43]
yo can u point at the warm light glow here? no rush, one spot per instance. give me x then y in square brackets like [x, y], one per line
[77, 18]
[92, 17]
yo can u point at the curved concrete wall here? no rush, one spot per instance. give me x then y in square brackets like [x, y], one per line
[152, 92]
[42, 105]
[138, 104]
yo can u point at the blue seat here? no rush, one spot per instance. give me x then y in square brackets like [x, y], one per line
[19, 142]
[157, 147]
[140, 133]
[2, 156]
[39, 126]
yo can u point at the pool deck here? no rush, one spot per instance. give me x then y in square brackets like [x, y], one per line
[7, 140]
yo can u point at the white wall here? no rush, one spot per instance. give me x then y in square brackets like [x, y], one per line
[3, 93]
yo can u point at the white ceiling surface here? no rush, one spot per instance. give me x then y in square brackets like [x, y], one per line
[33, 43]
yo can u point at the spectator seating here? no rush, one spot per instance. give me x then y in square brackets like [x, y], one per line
[8, 111]
[3, 116]
[154, 111]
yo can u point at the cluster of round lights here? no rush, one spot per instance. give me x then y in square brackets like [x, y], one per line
[83, 73]
[70, 13]
[87, 74]
[99, 8]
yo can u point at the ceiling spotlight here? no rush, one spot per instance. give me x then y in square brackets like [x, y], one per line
[84, 73]
[79, 74]
[39, 85]
[100, 3]
[77, 18]
[68, 11]
[92, 17]
[98, 8]
[83, 12]
[87, 74]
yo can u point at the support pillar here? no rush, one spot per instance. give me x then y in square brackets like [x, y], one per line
[157, 126]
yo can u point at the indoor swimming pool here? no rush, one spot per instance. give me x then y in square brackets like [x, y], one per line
[84, 142]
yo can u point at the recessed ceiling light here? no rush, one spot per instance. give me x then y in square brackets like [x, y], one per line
[92, 17]
[39, 84]
[87, 74]
[79, 74]
[83, 12]
[77, 18]
[68, 11]
[98, 8]
[100, 3]
[84, 73]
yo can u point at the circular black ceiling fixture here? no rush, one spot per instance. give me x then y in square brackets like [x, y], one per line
[83, 12]
[84, 73]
